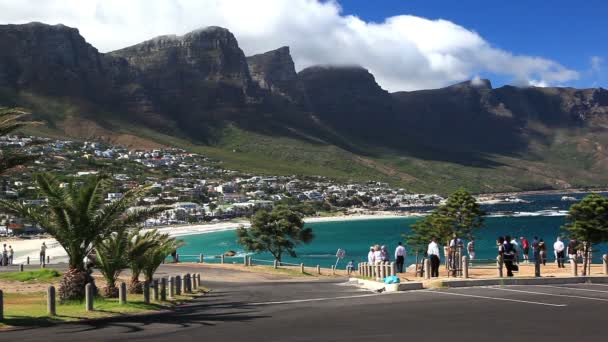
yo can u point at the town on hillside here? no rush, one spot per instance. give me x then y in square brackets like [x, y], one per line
[197, 188]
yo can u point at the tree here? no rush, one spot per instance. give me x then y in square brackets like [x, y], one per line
[138, 241]
[11, 120]
[424, 230]
[462, 212]
[155, 255]
[277, 232]
[77, 218]
[587, 221]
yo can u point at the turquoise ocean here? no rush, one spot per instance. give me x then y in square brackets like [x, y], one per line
[542, 216]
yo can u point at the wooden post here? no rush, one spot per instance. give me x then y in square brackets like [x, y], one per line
[48, 259]
[465, 267]
[185, 283]
[1, 306]
[383, 270]
[28, 260]
[122, 293]
[50, 301]
[163, 289]
[192, 283]
[176, 258]
[249, 263]
[245, 261]
[155, 294]
[499, 263]
[537, 267]
[222, 259]
[427, 268]
[393, 270]
[20, 267]
[147, 292]
[198, 280]
[302, 268]
[574, 267]
[200, 258]
[171, 286]
[178, 285]
[605, 261]
[88, 290]
[276, 264]
[318, 269]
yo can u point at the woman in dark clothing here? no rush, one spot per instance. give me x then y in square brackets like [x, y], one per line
[542, 248]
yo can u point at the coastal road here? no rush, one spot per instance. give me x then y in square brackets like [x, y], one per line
[331, 310]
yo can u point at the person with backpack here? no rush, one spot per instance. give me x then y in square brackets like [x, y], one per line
[508, 255]
[525, 246]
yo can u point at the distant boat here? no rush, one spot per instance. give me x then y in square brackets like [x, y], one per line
[568, 198]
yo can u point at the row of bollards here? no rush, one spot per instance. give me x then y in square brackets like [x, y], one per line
[377, 271]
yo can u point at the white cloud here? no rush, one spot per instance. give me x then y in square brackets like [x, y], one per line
[596, 64]
[404, 52]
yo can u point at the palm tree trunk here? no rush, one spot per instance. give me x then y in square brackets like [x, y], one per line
[72, 286]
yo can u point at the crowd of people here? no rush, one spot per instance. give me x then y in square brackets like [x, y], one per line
[512, 250]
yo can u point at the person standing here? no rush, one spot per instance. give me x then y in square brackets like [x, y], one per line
[525, 246]
[559, 247]
[515, 250]
[4, 260]
[508, 255]
[11, 253]
[350, 267]
[535, 250]
[542, 251]
[399, 257]
[572, 249]
[471, 249]
[43, 254]
[384, 254]
[370, 256]
[433, 253]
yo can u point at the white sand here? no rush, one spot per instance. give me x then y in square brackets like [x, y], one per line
[31, 247]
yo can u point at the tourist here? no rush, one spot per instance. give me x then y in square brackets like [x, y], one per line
[43, 254]
[572, 249]
[536, 250]
[542, 251]
[11, 253]
[471, 249]
[558, 246]
[525, 246]
[4, 260]
[377, 254]
[515, 250]
[399, 257]
[384, 254]
[350, 267]
[370, 256]
[433, 253]
[509, 254]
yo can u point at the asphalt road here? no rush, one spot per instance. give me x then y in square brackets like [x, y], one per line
[335, 311]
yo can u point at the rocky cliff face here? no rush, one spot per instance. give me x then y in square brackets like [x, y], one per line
[53, 60]
[275, 72]
[203, 79]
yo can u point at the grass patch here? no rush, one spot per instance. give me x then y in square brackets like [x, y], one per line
[29, 309]
[43, 275]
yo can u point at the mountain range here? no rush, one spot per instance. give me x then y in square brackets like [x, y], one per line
[255, 113]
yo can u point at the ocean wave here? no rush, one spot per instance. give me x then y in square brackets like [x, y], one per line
[529, 213]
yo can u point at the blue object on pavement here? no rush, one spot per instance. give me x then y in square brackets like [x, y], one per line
[392, 280]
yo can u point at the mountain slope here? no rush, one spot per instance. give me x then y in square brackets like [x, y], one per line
[199, 91]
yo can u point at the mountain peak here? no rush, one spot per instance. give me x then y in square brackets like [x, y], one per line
[480, 83]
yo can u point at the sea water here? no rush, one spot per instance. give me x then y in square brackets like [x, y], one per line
[542, 217]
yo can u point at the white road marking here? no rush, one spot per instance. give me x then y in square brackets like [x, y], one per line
[595, 284]
[547, 294]
[494, 298]
[573, 288]
[313, 299]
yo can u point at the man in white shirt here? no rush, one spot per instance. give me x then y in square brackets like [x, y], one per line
[558, 246]
[370, 256]
[433, 253]
[399, 257]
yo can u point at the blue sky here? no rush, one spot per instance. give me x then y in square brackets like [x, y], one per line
[405, 44]
[569, 32]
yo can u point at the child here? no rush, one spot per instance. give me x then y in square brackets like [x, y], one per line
[350, 267]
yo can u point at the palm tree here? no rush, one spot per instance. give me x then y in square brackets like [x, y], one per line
[139, 241]
[11, 120]
[114, 255]
[154, 256]
[77, 218]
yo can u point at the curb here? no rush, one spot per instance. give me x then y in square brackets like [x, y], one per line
[522, 281]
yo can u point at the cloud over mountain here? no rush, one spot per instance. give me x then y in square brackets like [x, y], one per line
[404, 52]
